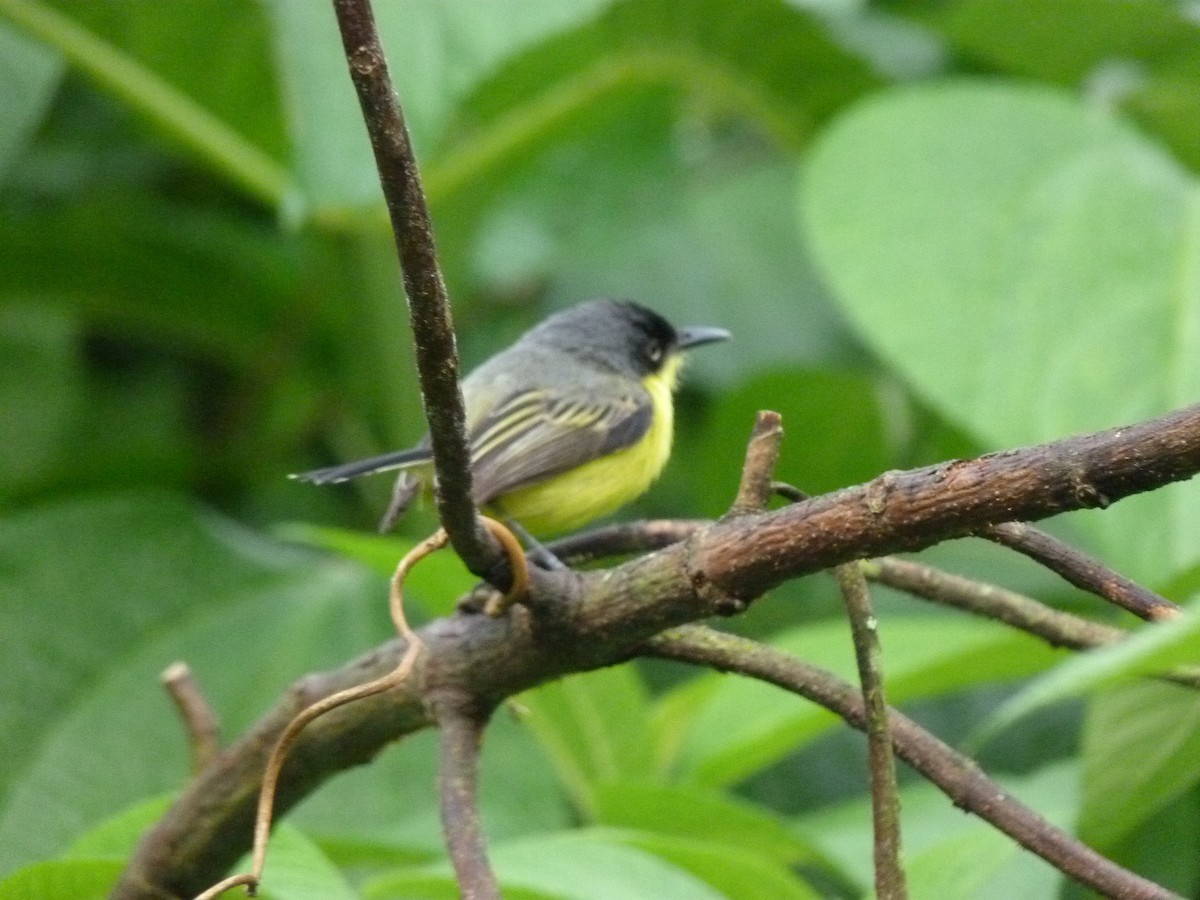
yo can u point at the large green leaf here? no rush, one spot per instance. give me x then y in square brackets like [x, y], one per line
[1140, 746]
[736, 872]
[692, 811]
[745, 725]
[28, 76]
[438, 51]
[1140, 56]
[947, 853]
[1031, 267]
[1152, 649]
[41, 390]
[594, 728]
[66, 879]
[88, 629]
[590, 864]
[219, 104]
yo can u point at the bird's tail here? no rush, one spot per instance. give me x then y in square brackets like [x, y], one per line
[400, 459]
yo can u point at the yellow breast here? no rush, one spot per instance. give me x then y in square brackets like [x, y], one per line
[572, 499]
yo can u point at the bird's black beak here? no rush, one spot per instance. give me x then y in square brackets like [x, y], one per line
[695, 335]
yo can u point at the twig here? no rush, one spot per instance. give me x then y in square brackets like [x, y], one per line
[1083, 571]
[762, 455]
[461, 729]
[1057, 628]
[885, 796]
[624, 538]
[429, 307]
[958, 776]
[199, 721]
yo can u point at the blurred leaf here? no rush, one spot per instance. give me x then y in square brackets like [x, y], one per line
[41, 387]
[735, 871]
[672, 715]
[1140, 745]
[211, 281]
[748, 724]
[1141, 57]
[426, 886]
[594, 727]
[947, 853]
[296, 869]
[761, 61]
[1151, 649]
[960, 865]
[721, 251]
[65, 879]
[834, 434]
[118, 835]
[28, 76]
[1024, 274]
[197, 99]
[440, 49]
[691, 811]
[437, 584]
[1065, 40]
[575, 865]
[88, 630]
[1154, 846]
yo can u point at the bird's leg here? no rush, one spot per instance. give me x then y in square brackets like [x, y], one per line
[539, 553]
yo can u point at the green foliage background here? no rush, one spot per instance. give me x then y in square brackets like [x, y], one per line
[936, 229]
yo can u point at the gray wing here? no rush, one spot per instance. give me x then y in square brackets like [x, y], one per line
[537, 433]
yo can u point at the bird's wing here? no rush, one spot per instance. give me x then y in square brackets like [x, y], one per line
[535, 434]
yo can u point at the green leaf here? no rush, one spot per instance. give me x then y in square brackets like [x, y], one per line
[1066, 40]
[296, 869]
[573, 865]
[1151, 649]
[117, 836]
[65, 879]
[761, 61]
[28, 76]
[594, 727]
[1029, 265]
[88, 630]
[691, 811]
[734, 871]
[748, 724]
[436, 584]
[41, 390]
[1141, 57]
[1140, 745]
[946, 853]
[439, 51]
[132, 51]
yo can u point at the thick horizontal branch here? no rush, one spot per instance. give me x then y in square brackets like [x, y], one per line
[595, 619]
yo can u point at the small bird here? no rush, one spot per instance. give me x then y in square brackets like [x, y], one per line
[568, 424]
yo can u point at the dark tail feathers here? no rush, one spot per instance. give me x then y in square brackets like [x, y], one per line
[400, 459]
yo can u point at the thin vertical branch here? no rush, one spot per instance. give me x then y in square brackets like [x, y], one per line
[428, 305]
[199, 720]
[762, 455]
[461, 734]
[885, 796]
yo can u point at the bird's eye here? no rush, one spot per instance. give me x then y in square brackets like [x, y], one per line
[654, 353]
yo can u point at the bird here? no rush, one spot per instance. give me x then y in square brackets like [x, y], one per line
[569, 423]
